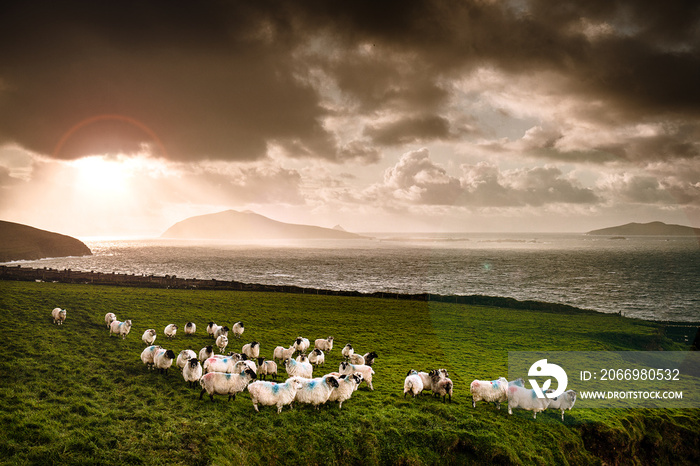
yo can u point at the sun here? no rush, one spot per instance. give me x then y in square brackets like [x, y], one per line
[102, 174]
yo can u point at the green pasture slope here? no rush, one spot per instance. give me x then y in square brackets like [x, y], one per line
[73, 395]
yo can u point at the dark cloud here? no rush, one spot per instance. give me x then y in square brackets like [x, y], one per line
[410, 130]
[229, 80]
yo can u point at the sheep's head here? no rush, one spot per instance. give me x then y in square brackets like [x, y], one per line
[254, 344]
[411, 372]
[261, 361]
[358, 378]
[194, 362]
[332, 382]
[170, 354]
[251, 373]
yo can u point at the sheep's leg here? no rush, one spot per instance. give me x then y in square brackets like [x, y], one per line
[202, 393]
[473, 403]
[510, 411]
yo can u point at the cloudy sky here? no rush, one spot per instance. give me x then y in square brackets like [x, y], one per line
[122, 118]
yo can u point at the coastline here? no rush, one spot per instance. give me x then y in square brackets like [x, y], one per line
[19, 273]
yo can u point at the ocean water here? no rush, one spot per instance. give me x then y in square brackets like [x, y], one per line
[654, 278]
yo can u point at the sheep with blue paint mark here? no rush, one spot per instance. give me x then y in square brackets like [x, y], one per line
[366, 371]
[316, 391]
[163, 359]
[218, 383]
[120, 328]
[563, 402]
[192, 372]
[299, 369]
[412, 384]
[490, 391]
[147, 355]
[225, 364]
[271, 393]
[347, 384]
[526, 398]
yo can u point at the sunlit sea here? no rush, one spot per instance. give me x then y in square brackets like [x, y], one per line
[654, 278]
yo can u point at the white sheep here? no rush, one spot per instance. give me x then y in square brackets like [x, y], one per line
[210, 329]
[283, 353]
[301, 344]
[245, 364]
[316, 391]
[109, 318]
[170, 331]
[324, 344]
[271, 393]
[252, 350]
[526, 398]
[217, 383]
[299, 369]
[427, 381]
[301, 358]
[347, 351]
[443, 388]
[149, 336]
[163, 359]
[221, 342]
[225, 364]
[347, 384]
[184, 356]
[59, 315]
[356, 359]
[266, 368]
[238, 329]
[220, 330]
[192, 372]
[366, 371]
[491, 391]
[317, 358]
[120, 328]
[412, 384]
[563, 402]
[370, 357]
[206, 353]
[147, 355]
[190, 328]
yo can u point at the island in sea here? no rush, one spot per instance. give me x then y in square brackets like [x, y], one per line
[234, 225]
[22, 242]
[647, 229]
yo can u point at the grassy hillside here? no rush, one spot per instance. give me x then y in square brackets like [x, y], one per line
[73, 395]
[22, 242]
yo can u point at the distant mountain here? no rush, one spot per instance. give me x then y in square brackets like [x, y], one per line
[22, 242]
[648, 229]
[233, 225]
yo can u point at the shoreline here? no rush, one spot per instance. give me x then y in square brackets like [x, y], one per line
[19, 273]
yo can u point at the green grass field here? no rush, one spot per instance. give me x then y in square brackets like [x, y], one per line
[72, 395]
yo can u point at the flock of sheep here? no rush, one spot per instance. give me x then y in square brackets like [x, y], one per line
[232, 373]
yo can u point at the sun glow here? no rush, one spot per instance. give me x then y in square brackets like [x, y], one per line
[99, 173]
